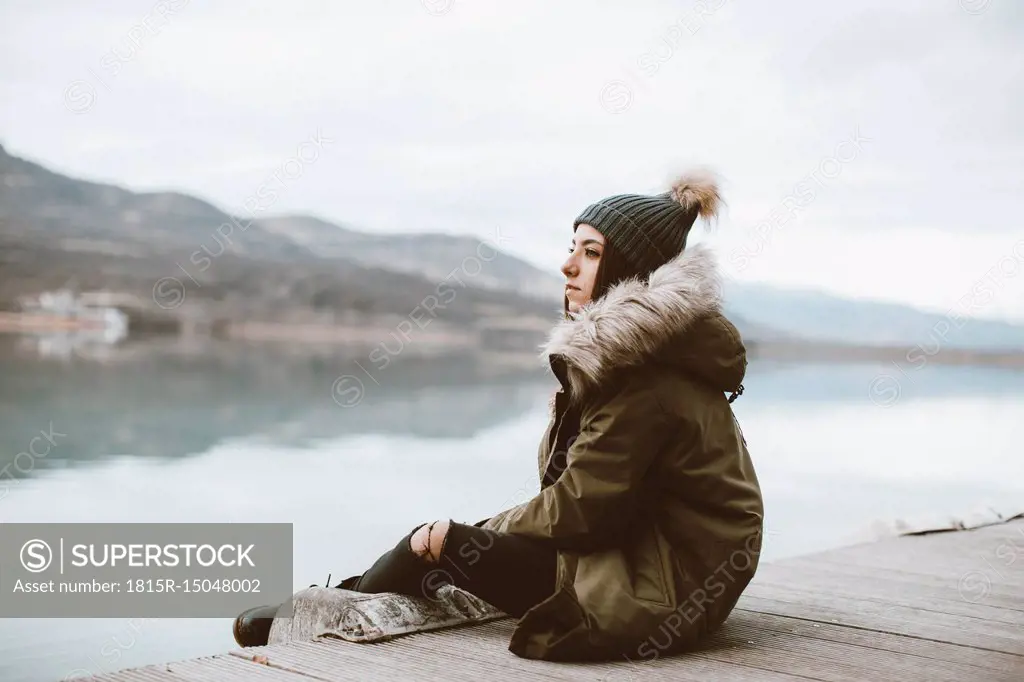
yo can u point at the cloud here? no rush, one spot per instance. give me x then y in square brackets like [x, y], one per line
[520, 115]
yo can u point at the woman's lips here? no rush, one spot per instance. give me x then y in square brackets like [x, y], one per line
[569, 287]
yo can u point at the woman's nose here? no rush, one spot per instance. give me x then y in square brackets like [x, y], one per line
[569, 267]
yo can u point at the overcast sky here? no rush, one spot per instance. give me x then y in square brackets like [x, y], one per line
[864, 150]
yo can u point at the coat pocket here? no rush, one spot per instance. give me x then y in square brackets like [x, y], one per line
[649, 576]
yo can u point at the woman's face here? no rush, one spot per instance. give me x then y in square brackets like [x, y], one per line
[580, 268]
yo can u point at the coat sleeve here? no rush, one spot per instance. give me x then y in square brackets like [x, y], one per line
[595, 498]
[495, 522]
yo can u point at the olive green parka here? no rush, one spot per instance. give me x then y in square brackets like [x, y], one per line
[647, 490]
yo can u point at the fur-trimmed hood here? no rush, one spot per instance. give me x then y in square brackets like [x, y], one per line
[675, 318]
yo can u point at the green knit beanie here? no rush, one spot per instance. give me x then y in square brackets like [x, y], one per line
[649, 231]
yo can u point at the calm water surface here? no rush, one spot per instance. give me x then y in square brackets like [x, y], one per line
[244, 434]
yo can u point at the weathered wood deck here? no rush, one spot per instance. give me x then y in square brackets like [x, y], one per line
[942, 606]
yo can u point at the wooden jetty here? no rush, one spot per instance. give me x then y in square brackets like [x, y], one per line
[936, 606]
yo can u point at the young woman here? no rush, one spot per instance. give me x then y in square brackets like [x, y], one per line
[647, 527]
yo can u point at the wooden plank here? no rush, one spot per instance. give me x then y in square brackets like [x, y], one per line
[220, 668]
[996, 552]
[896, 620]
[923, 611]
[335, 660]
[844, 662]
[226, 668]
[971, 575]
[149, 673]
[925, 555]
[684, 666]
[947, 599]
[481, 652]
[751, 621]
[993, 595]
[923, 584]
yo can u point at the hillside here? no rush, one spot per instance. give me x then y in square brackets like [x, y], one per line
[79, 216]
[181, 257]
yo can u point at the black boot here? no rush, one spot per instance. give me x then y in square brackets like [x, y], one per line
[252, 627]
[350, 583]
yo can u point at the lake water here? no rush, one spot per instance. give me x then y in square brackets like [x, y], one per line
[238, 433]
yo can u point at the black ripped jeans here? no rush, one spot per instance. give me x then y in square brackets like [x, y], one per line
[509, 572]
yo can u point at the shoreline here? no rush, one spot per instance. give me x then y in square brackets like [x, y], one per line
[516, 341]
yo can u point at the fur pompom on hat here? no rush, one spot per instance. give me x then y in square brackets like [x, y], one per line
[649, 231]
[697, 191]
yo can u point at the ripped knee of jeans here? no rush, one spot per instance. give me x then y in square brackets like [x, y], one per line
[428, 541]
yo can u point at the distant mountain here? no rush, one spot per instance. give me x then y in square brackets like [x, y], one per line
[78, 215]
[430, 255]
[175, 257]
[818, 316]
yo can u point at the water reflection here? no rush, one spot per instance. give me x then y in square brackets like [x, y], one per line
[881, 384]
[165, 402]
